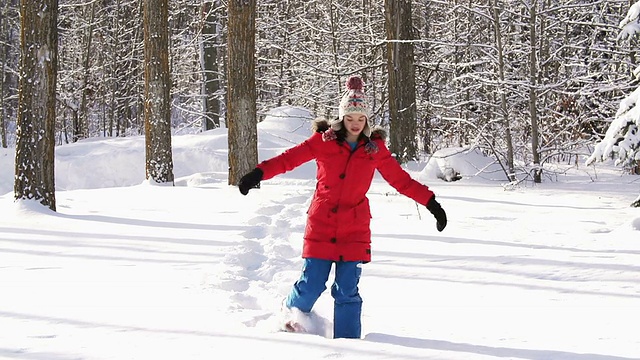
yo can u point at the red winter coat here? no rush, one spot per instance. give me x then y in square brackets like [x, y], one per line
[338, 220]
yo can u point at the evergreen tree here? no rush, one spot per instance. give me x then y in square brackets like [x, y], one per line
[622, 140]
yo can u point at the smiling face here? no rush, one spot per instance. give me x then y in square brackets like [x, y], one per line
[354, 124]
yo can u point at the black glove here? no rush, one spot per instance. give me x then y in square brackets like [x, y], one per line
[250, 180]
[438, 212]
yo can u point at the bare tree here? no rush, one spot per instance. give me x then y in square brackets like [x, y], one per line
[34, 176]
[9, 63]
[307, 49]
[80, 129]
[533, 95]
[125, 49]
[80, 78]
[504, 109]
[157, 89]
[401, 73]
[467, 94]
[241, 100]
[209, 60]
[4, 35]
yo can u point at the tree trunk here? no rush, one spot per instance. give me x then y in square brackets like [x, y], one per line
[533, 97]
[157, 90]
[209, 61]
[241, 101]
[35, 155]
[426, 92]
[402, 88]
[113, 60]
[81, 131]
[635, 170]
[4, 36]
[503, 99]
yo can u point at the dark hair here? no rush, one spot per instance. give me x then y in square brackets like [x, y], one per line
[341, 135]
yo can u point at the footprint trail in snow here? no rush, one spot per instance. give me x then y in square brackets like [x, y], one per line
[259, 271]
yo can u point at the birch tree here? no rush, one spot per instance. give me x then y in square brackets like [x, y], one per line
[157, 89]
[34, 173]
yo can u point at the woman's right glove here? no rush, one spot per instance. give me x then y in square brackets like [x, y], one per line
[438, 212]
[250, 180]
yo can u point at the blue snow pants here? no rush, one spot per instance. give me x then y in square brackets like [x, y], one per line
[347, 307]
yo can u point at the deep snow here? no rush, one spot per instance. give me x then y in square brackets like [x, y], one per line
[129, 270]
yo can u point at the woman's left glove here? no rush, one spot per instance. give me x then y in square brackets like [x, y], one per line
[438, 212]
[250, 180]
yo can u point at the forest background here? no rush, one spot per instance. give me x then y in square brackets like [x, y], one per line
[526, 82]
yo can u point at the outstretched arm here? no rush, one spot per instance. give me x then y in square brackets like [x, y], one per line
[397, 177]
[290, 159]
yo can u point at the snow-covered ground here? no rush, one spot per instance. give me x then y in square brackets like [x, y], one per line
[129, 270]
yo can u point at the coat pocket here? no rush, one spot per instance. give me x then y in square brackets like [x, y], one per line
[319, 214]
[362, 213]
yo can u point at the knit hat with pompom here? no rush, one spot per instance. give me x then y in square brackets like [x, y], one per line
[354, 101]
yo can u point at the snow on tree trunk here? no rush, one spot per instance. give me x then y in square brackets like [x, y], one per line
[157, 89]
[34, 171]
[241, 100]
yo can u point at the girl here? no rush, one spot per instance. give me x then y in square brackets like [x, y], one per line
[347, 153]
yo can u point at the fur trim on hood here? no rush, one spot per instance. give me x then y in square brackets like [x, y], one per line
[378, 132]
[321, 125]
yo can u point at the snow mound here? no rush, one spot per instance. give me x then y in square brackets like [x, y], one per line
[26, 211]
[288, 119]
[282, 128]
[456, 163]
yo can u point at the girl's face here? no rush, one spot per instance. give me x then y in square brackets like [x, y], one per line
[355, 123]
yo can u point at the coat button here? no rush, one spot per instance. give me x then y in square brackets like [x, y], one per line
[334, 210]
[333, 240]
[342, 176]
